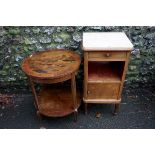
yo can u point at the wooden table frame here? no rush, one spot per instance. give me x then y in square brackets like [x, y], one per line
[32, 82]
[49, 68]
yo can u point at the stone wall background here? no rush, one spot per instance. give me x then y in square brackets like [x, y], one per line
[18, 42]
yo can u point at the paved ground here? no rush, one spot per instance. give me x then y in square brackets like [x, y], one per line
[137, 111]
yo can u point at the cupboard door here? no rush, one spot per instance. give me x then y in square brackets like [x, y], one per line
[103, 90]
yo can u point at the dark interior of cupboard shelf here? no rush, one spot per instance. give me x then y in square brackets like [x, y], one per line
[111, 71]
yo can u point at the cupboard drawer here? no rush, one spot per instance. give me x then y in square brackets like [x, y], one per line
[102, 90]
[106, 55]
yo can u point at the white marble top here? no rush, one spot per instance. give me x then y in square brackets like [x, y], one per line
[106, 41]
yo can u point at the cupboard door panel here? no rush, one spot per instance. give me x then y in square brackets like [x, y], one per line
[103, 90]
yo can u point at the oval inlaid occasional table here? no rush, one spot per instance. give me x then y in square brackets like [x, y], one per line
[50, 67]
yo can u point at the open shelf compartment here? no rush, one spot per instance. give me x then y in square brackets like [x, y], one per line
[105, 71]
[56, 100]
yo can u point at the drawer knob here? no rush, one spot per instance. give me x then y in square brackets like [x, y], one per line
[88, 92]
[107, 54]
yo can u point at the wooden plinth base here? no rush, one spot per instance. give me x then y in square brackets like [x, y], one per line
[102, 101]
[57, 101]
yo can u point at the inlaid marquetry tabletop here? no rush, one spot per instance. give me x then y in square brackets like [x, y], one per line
[51, 64]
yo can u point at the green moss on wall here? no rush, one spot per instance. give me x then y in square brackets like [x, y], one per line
[16, 43]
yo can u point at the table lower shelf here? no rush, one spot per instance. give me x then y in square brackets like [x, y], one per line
[57, 101]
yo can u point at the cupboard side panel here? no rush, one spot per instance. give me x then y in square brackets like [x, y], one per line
[124, 74]
[85, 73]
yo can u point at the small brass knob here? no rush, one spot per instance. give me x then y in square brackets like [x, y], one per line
[107, 54]
[88, 92]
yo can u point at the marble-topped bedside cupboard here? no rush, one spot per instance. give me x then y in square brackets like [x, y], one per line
[106, 56]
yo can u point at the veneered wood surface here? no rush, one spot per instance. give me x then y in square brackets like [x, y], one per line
[101, 101]
[57, 101]
[104, 76]
[107, 55]
[53, 80]
[103, 91]
[124, 74]
[103, 83]
[51, 64]
[85, 74]
[105, 71]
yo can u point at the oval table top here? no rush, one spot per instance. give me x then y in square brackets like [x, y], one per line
[51, 64]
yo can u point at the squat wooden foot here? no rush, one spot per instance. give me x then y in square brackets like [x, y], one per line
[75, 115]
[39, 115]
[116, 109]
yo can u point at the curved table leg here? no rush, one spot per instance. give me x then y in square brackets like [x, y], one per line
[34, 92]
[73, 88]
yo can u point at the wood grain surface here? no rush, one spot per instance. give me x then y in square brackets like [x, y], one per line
[51, 64]
[57, 101]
